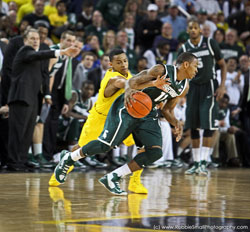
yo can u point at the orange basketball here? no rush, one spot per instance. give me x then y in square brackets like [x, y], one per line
[141, 107]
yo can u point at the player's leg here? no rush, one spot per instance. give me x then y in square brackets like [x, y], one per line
[193, 122]
[208, 118]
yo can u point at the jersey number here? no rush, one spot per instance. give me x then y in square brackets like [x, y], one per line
[200, 63]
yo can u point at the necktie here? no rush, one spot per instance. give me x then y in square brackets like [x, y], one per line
[68, 82]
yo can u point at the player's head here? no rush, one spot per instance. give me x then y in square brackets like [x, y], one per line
[193, 28]
[87, 89]
[188, 63]
[119, 61]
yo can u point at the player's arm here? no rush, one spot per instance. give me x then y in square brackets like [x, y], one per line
[168, 113]
[147, 78]
[220, 91]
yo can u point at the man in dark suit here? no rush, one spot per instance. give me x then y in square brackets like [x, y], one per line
[26, 80]
[96, 75]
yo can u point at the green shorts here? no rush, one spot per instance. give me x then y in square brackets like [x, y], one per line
[202, 107]
[119, 124]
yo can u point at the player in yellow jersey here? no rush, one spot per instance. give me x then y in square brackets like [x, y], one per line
[112, 86]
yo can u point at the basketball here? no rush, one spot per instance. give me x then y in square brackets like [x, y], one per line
[141, 107]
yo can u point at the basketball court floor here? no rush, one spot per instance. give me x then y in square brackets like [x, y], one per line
[175, 202]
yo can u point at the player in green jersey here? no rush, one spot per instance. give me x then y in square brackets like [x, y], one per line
[146, 131]
[202, 106]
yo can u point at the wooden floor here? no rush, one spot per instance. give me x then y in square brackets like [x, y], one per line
[220, 202]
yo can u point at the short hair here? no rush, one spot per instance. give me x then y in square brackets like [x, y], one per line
[226, 96]
[79, 39]
[28, 30]
[142, 58]
[84, 54]
[162, 44]
[114, 52]
[87, 82]
[104, 55]
[67, 32]
[193, 20]
[185, 56]
[59, 2]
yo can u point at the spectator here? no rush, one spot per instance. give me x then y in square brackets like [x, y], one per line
[82, 70]
[122, 42]
[239, 21]
[226, 133]
[166, 35]
[206, 30]
[12, 6]
[162, 8]
[50, 8]
[179, 23]
[112, 11]
[232, 6]
[149, 28]
[109, 41]
[230, 48]
[96, 75]
[221, 23]
[160, 55]
[86, 16]
[202, 19]
[37, 15]
[219, 35]
[96, 27]
[187, 5]
[212, 6]
[132, 7]
[25, 10]
[142, 64]
[128, 26]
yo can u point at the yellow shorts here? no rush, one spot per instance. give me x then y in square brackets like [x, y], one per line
[93, 128]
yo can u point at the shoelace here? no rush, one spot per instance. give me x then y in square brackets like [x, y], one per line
[65, 169]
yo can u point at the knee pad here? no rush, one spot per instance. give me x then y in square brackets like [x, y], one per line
[208, 133]
[195, 134]
[148, 157]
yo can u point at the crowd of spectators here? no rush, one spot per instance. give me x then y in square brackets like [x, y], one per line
[150, 32]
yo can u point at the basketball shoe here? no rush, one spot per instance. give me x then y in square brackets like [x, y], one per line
[193, 169]
[202, 170]
[111, 182]
[135, 184]
[62, 168]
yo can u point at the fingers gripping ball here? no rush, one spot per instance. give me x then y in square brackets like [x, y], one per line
[142, 105]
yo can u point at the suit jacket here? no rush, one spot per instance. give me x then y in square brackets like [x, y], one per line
[26, 76]
[3, 46]
[12, 48]
[244, 104]
[95, 76]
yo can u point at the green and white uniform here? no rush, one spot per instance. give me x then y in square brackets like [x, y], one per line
[202, 108]
[59, 63]
[69, 129]
[146, 131]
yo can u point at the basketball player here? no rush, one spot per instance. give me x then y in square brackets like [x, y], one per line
[112, 86]
[202, 107]
[146, 131]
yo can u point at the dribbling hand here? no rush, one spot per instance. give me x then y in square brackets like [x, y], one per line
[161, 81]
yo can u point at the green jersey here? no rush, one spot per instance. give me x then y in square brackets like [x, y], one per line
[173, 90]
[207, 52]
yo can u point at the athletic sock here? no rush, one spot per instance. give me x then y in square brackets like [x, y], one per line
[38, 148]
[76, 155]
[122, 171]
[205, 152]
[196, 154]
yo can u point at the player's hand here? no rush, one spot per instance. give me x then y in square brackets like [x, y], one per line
[178, 131]
[161, 81]
[220, 92]
[128, 97]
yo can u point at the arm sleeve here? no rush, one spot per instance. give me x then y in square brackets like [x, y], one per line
[29, 54]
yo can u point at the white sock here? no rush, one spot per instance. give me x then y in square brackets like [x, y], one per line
[123, 149]
[30, 150]
[38, 148]
[205, 152]
[70, 147]
[179, 151]
[196, 154]
[116, 152]
[122, 171]
[76, 155]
